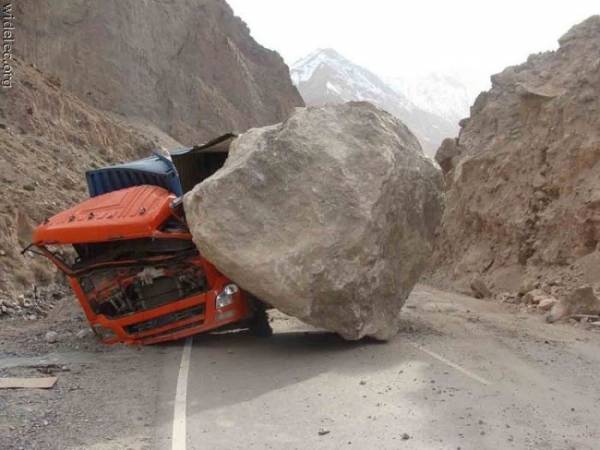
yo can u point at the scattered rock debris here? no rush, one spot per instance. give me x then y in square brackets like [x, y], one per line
[51, 337]
[479, 288]
[582, 301]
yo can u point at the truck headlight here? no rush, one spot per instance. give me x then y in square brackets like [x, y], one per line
[225, 298]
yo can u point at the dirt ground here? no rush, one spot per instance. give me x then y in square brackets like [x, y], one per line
[462, 373]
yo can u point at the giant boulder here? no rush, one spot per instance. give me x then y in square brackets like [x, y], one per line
[328, 216]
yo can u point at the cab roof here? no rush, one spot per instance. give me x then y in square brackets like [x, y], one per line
[131, 213]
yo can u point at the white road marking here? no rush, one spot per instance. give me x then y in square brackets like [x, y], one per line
[453, 365]
[179, 436]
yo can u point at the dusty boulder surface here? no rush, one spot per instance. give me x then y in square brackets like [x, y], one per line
[523, 177]
[190, 67]
[329, 216]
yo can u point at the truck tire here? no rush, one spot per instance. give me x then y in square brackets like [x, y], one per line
[259, 323]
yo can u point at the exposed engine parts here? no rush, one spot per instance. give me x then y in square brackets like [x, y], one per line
[137, 284]
[116, 292]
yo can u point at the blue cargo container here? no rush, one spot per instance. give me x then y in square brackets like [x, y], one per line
[178, 174]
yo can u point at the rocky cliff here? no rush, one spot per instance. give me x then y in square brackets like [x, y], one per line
[523, 177]
[188, 66]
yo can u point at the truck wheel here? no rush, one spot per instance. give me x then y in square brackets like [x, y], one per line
[259, 323]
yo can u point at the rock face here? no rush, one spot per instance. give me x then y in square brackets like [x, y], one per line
[329, 216]
[190, 67]
[523, 176]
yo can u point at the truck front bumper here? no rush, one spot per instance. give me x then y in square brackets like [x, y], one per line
[176, 320]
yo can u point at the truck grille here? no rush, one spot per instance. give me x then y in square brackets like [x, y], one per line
[164, 320]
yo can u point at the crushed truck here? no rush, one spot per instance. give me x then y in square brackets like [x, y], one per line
[129, 256]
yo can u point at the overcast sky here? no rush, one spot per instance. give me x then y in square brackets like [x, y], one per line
[472, 39]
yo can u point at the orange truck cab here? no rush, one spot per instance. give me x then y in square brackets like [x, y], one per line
[130, 258]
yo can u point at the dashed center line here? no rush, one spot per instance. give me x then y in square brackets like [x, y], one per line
[453, 365]
[179, 435]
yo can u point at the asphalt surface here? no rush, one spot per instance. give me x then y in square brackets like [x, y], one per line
[462, 373]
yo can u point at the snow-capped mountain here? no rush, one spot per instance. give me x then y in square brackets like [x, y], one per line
[438, 93]
[326, 77]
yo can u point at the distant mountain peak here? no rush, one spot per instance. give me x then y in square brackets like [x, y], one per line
[331, 53]
[323, 52]
[303, 69]
[325, 76]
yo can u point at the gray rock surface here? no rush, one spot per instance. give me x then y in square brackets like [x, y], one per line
[328, 216]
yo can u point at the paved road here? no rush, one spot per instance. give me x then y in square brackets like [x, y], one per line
[462, 374]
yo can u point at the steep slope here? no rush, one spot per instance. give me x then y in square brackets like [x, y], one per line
[188, 66]
[48, 137]
[524, 175]
[326, 77]
[437, 93]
